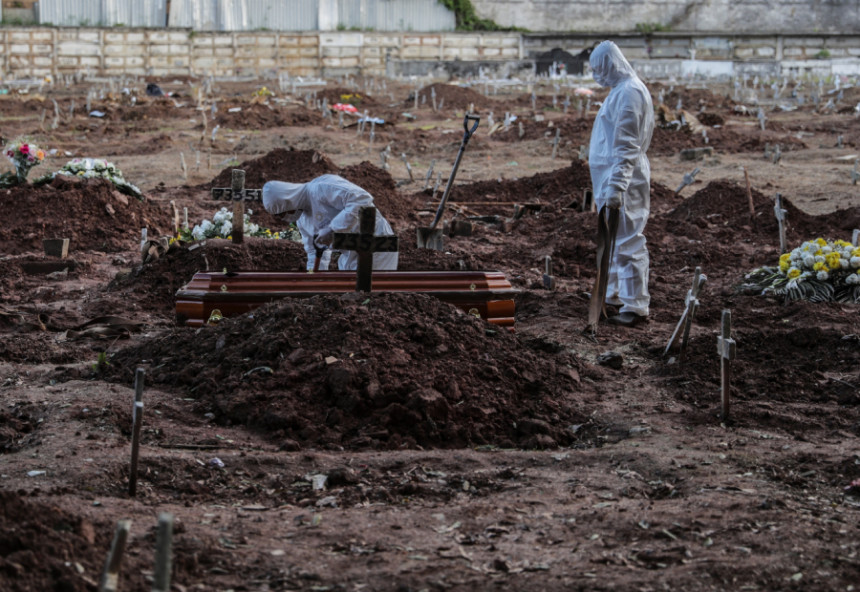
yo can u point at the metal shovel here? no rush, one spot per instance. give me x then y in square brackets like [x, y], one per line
[430, 237]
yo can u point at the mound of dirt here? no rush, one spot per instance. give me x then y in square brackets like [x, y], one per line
[573, 129]
[448, 96]
[385, 371]
[258, 116]
[557, 187]
[156, 283]
[380, 184]
[281, 164]
[43, 547]
[340, 94]
[89, 212]
[723, 206]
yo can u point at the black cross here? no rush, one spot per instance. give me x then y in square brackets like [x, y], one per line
[365, 243]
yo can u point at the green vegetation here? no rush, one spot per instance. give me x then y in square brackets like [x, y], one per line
[468, 20]
[101, 363]
[823, 54]
[649, 28]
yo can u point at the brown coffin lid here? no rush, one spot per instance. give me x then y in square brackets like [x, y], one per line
[487, 293]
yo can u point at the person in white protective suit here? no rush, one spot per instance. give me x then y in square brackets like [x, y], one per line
[621, 177]
[321, 207]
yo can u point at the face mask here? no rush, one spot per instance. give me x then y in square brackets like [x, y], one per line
[293, 217]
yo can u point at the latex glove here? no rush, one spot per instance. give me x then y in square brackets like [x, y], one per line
[325, 237]
[616, 200]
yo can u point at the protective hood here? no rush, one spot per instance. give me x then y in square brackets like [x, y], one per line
[280, 197]
[609, 65]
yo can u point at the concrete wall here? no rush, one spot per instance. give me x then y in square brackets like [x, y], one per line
[725, 16]
[43, 51]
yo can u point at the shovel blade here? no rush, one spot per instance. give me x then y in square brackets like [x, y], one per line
[430, 238]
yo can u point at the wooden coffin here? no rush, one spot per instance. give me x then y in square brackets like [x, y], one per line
[485, 293]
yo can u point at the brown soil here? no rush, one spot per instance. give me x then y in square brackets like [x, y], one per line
[390, 441]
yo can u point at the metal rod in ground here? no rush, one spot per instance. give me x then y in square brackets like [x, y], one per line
[163, 553]
[110, 576]
[137, 420]
[727, 350]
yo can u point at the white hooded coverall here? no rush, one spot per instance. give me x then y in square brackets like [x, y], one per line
[327, 201]
[620, 137]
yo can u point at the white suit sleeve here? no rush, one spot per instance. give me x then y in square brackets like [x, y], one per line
[349, 202]
[627, 140]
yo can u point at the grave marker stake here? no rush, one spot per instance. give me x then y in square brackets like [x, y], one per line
[110, 575]
[691, 303]
[136, 420]
[238, 188]
[780, 218]
[408, 166]
[749, 196]
[688, 180]
[699, 280]
[365, 243]
[855, 175]
[548, 279]
[555, 142]
[727, 350]
[429, 175]
[163, 552]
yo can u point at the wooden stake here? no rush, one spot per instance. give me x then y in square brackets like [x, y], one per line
[110, 576]
[238, 188]
[136, 420]
[699, 280]
[175, 217]
[163, 553]
[429, 174]
[555, 142]
[408, 166]
[749, 196]
[780, 218]
[727, 350]
[548, 279]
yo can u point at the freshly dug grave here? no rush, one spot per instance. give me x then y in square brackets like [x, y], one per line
[91, 213]
[386, 371]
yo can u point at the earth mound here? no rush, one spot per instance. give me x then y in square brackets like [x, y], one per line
[385, 371]
[448, 96]
[89, 212]
[281, 164]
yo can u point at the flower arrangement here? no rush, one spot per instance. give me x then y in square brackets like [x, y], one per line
[94, 168]
[818, 270]
[24, 155]
[221, 226]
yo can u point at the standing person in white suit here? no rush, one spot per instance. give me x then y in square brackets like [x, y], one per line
[321, 207]
[621, 177]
